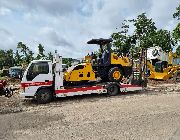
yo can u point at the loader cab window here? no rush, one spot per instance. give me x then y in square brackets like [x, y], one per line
[37, 68]
[159, 66]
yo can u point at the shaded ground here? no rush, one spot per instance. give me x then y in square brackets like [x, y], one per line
[150, 114]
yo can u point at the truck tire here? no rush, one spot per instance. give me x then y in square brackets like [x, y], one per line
[113, 89]
[115, 74]
[44, 96]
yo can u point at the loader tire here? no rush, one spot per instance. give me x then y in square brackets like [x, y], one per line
[115, 74]
[44, 96]
[113, 89]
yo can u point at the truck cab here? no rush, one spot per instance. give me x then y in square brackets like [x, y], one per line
[38, 75]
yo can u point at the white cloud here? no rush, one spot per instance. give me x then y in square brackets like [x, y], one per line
[162, 13]
[54, 37]
[4, 11]
[7, 40]
[31, 16]
[66, 25]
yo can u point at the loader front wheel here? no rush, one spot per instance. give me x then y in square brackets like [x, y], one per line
[44, 96]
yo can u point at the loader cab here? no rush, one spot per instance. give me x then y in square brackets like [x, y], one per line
[104, 51]
[160, 65]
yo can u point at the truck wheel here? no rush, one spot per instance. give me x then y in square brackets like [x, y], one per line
[115, 74]
[113, 89]
[44, 96]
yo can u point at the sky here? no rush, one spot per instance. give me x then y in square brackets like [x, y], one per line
[66, 25]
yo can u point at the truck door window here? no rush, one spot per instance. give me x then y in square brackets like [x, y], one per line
[37, 68]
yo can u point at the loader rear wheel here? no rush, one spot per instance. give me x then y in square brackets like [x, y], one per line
[113, 89]
[44, 96]
[115, 74]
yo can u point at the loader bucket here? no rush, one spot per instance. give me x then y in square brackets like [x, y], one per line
[160, 76]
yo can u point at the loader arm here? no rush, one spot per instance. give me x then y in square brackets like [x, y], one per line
[173, 69]
[150, 66]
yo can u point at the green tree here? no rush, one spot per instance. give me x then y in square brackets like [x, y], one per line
[176, 31]
[141, 38]
[40, 52]
[24, 50]
[50, 56]
[178, 50]
[145, 35]
[67, 61]
[6, 58]
[145, 29]
[163, 39]
[9, 58]
[30, 56]
[177, 13]
[2, 58]
[121, 40]
[18, 58]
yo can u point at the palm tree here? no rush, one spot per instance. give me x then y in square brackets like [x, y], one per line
[23, 48]
[50, 56]
[41, 52]
[17, 57]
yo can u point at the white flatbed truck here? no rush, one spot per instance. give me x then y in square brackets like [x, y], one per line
[43, 80]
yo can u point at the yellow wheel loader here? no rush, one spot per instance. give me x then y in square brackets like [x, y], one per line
[110, 66]
[163, 70]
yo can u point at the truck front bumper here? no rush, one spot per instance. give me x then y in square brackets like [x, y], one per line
[27, 95]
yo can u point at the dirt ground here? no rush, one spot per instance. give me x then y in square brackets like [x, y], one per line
[150, 114]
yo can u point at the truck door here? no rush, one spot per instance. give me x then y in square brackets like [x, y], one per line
[38, 74]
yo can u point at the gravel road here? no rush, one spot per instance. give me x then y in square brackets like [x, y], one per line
[152, 114]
